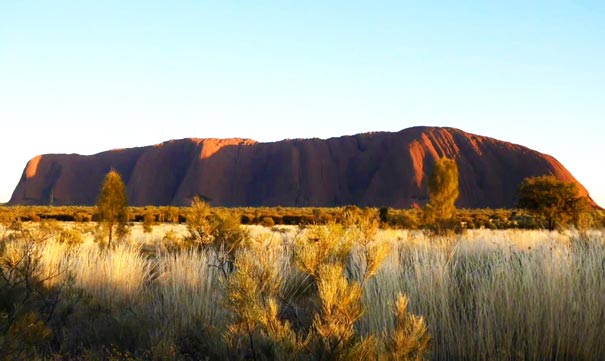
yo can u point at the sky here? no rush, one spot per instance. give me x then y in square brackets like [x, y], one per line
[88, 76]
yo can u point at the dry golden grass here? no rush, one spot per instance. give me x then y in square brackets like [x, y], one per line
[500, 295]
[483, 295]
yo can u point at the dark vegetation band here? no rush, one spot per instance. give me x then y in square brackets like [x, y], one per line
[269, 216]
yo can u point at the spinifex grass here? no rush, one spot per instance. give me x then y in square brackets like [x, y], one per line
[483, 295]
[500, 295]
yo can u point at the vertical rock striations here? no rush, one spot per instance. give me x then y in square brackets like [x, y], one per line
[372, 169]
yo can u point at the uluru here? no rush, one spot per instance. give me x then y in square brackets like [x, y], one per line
[369, 169]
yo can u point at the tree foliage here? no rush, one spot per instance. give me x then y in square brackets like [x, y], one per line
[264, 307]
[443, 191]
[220, 232]
[112, 205]
[555, 202]
[148, 220]
[200, 223]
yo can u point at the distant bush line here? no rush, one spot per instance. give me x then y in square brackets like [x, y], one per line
[270, 216]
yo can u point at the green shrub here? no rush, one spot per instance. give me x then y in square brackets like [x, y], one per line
[148, 221]
[82, 217]
[71, 236]
[407, 219]
[247, 218]
[268, 222]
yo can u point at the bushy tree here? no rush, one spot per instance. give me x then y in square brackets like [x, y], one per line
[220, 232]
[148, 220]
[443, 191]
[556, 202]
[112, 205]
[200, 223]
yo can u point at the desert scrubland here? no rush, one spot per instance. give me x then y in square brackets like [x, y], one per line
[336, 291]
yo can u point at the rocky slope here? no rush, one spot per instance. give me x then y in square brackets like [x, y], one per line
[372, 169]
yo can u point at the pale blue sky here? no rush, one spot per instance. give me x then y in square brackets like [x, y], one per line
[87, 76]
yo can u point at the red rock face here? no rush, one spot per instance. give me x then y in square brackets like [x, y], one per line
[373, 169]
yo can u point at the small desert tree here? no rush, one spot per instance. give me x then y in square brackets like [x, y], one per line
[553, 201]
[443, 192]
[218, 231]
[112, 205]
[148, 220]
[200, 223]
